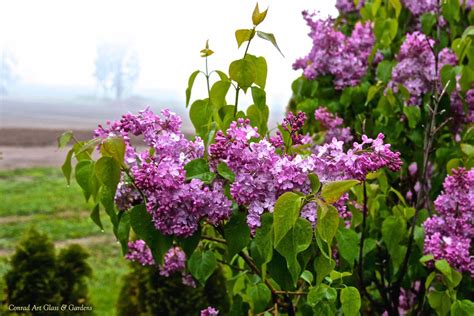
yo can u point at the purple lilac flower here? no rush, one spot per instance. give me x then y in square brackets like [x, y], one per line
[469, 4]
[126, 196]
[293, 124]
[262, 175]
[419, 7]
[188, 280]
[210, 311]
[415, 69]
[176, 205]
[407, 298]
[333, 163]
[139, 252]
[174, 261]
[348, 6]
[448, 234]
[333, 53]
[333, 126]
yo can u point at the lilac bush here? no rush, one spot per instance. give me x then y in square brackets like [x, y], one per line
[359, 201]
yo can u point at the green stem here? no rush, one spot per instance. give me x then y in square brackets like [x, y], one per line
[207, 80]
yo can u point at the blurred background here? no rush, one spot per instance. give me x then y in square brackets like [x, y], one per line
[71, 65]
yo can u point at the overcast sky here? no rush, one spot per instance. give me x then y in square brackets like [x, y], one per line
[55, 41]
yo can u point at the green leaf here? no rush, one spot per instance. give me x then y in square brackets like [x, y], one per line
[206, 52]
[257, 16]
[190, 86]
[271, 38]
[348, 241]
[373, 90]
[218, 93]
[114, 147]
[106, 197]
[453, 277]
[260, 296]
[199, 169]
[325, 308]
[336, 275]
[314, 181]
[323, 266]
[430, 279]
[225, 172]
[261, 76]
[332, 191]
[467, 78]
[142, 224]
[264, 239]
[384, 70]
[285, 214]
[82, 151]
[201, 265]
[426, 258]
[350, 300]
[64, 139]
[397, 6]
[393, 231]
[259, 97]
[108, 171]
[440, 302]
[413, 114]
[328, 222]
[307, 276]
[243, 35]
[321, 293]
[243, 72]
[428, 21]
[189, 244]
[295, 241]
[95, 216]
[84, 173]
[200, 114]
[237, 234]
[462, 308]
[66, 168]
[222, 75]
[123, 231]
[450, 10]
[467, 149]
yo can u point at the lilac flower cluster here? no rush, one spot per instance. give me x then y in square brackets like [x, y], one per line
[176, 205]
[209, 311]
[372, 154]
[419, 7]
[126, 196]
[139, 252]
[348, 6]
[293, 124]
[461, 114]
[175, 262]
[333, 126]
[333, 53]
[262, 175]
[415, 69]
[448, 235]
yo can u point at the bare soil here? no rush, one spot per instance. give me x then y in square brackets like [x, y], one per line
[24, 148]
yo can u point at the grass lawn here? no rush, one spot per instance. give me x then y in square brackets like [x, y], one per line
[40, 197]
